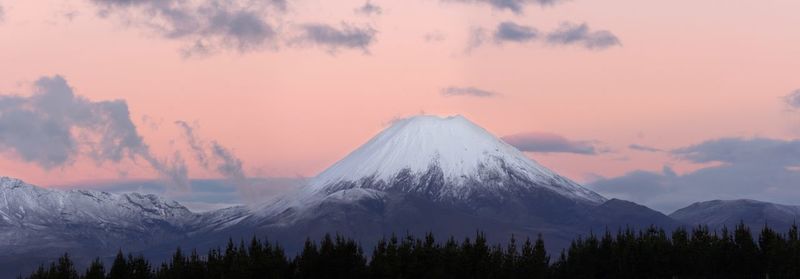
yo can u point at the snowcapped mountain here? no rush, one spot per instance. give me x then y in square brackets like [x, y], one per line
[463, 157]
[444, 175]
[447, 159]
[38, 224]
[729, 213]
[26, 206]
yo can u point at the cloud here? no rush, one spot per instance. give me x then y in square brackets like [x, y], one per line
[230, 166]
[2, 13]
[580, 34]
[467, 91]
[549, 143]
[793, 99]
[565, 34]
[511, 32]
[774, 152]
[515, 6]
[755, 168]
[195, 144]
[369, 9]
[53, 126]
[332, 38]
[205, 25]
[477, 36]
[645, 148]
[220, 159]
[434, 36]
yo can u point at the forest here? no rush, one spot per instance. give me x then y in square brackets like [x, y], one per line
[626, 253]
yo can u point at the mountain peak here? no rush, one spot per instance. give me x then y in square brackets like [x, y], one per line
[446, 157]
[11, 183]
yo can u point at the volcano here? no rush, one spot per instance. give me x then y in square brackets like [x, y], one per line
[443, 175]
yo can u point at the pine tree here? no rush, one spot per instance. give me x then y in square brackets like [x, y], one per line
[120, 268]
[64, 269]
[96, 270]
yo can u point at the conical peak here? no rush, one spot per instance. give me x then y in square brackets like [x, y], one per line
[431, 119]
[462, 152]
[454, 144]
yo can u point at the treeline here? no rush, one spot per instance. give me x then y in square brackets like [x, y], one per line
[650, 253]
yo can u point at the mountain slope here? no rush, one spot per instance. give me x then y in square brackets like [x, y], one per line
[467, 157]
[728, 213]
[442, 175]
[38, 224]
[444, 159]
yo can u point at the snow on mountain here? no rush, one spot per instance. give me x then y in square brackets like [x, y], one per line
[418, 149]
[27, 206]
[729, 213]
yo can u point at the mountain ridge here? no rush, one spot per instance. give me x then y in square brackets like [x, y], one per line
[729, 213]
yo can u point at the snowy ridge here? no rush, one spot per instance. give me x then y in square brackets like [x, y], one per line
[731, 212]
[27, 206]
[465, 153]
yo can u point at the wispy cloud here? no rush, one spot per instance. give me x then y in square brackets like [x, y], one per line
[645, 148]
[793, 99]
[333, 38]
[743, 151]
[515, 6]
[434, 36]
[467, 91]
[206, 26]
[564, 35]
[580, 34]
[550, 143]
[369, 9]
[213, 156]
[195, 144]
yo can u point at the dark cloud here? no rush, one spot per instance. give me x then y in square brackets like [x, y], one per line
[793, 99]
[580, 34]
[369, 9]
[467, 91]
[774, 152]
[757, 168]
[565, 34]
[549, 143]
[516, 6]
[645, 148]
[332, 38]
[53, 126]
[205, 25]
[512, 32]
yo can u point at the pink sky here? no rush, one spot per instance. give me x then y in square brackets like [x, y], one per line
[685, 72]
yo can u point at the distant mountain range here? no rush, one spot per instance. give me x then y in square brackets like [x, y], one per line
[755, 214]
[423, 174]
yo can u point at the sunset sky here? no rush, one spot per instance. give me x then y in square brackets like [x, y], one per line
[659, 102]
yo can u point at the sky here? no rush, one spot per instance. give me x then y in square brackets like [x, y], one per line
[661, 103]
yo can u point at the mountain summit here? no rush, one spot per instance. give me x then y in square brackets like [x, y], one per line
[446, 159]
